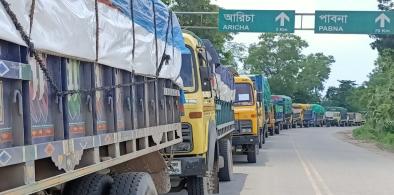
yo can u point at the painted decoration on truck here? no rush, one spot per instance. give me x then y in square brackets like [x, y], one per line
[76, 120]
[42, 127]
[1, 104]
[100, 98]
[120, 98]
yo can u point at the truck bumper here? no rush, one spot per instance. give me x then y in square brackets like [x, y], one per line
[245, 140]
[188, 166]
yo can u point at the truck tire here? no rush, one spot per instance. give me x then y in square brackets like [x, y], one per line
[252, 155]
[196, 186]
[277, 129]
[133, 183]
[272, 131]
[93, 184]
[226, 173]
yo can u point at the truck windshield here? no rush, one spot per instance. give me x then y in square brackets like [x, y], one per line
[243, 94]
[187, 71]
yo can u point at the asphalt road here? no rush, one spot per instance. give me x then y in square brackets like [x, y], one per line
[313, 161]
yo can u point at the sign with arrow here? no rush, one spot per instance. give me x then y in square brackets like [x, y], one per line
[354, 22]
[276, 21]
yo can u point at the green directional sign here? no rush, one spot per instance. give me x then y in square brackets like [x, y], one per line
[354, 22]
[276, 21]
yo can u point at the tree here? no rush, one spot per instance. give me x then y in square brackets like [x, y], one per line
[383, 41]
[219, 39]
[280, 58]
[345, 95]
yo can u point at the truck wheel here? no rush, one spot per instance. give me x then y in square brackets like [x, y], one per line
[263, 133]
[277, 129]
[93, 184]
[226, 173]
[252, 155]
[133, 183]
[271, 130]
[196, 186]
[266, 133]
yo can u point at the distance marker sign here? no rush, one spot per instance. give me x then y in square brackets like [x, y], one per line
[276, 21]
[354, 22]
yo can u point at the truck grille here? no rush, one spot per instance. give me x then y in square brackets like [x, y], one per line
[187, 144]
[242, 125]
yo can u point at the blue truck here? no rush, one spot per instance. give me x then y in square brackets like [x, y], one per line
[88, 107]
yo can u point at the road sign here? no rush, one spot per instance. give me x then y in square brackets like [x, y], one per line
[276, 21]
[354, 22]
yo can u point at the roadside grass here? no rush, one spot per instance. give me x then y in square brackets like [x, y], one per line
[384, 140]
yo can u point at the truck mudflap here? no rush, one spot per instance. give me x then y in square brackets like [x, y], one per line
[245, 140]
[187, 166]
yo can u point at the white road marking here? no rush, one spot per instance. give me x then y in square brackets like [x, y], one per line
[320, 179]
[308, 172]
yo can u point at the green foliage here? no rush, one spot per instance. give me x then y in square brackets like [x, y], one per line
[384, 140]
[346, 95]
[383, 42]
[280, 58]
[219, 39]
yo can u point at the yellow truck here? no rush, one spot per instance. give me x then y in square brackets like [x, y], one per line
[250, 118]
[205, 154]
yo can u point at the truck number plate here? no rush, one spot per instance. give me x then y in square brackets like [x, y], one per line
[175, 167]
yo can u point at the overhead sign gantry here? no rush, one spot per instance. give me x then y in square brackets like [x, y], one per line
[283, 21]
[280, 21]
[354, 22]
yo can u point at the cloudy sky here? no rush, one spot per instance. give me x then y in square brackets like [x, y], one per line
[354, 57]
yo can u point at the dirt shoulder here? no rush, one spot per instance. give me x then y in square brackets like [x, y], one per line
[347, 136]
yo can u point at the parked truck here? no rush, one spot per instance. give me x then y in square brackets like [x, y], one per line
[205, 154]
[358, 119]
[249, 115]
[336, 116]
[87, 107]
[319, 115]
[283, 104]
[263, 88]
[297, 116]
[351, 119]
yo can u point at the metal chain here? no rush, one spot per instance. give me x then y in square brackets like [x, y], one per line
[46, 72]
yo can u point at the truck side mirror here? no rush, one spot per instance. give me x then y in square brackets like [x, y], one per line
[205, 78]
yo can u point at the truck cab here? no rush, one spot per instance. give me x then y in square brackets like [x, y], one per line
[205, 153]
[250, 118]
[332, 118]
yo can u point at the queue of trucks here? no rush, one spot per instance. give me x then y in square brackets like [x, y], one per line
[112, 97]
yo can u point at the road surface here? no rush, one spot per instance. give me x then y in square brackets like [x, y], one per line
[313, 161]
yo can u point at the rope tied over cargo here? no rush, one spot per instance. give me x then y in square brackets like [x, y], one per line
[29, 44]
[37, 56]
[165, 58]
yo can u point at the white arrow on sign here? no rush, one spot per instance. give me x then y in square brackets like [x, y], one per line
[282, 17]
[382, 18]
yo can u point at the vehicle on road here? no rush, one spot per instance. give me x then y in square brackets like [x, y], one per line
[283, 112]
[319, 115]
[83, 111]
[297, 116]
[205, 155]
[262, 86]
[250, 117]
[351, 118]
[359, 119]
[336, 116]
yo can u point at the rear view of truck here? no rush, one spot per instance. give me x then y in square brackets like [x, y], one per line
[89, 95]
[319, 112]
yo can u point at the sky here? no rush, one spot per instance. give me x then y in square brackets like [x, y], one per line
[353, 54]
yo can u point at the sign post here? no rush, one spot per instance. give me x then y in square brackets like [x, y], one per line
[354, 22]
[276, 21]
